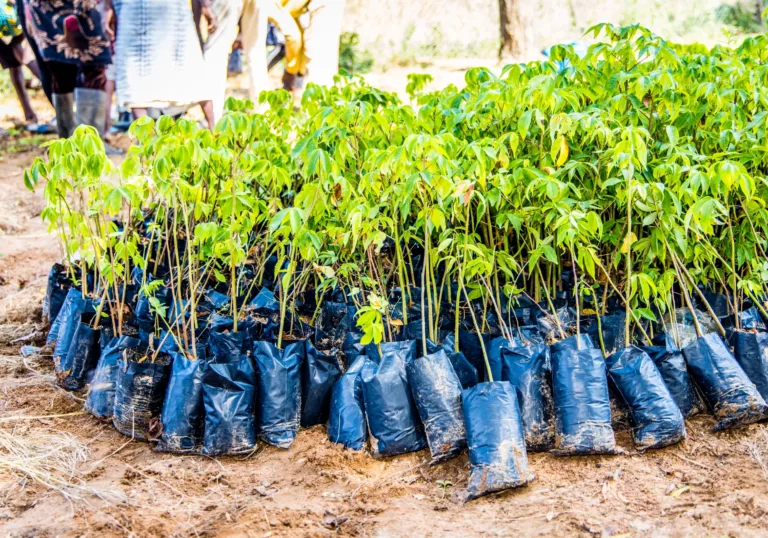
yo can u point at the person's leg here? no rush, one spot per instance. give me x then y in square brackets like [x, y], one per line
[294, 43]
[217, 50]
[42, 73]
[63, 81]
[138, 113]
[321, 40]
[17, 79]
[90, 97]
[207, 107]
[253, 27]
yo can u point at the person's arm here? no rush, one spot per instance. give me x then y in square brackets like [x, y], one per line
[110, 20]
[201, 9]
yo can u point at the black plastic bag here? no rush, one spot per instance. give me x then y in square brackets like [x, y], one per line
[732, 397]
[751, 351]
[346, 423]
[279, 398]
[319, 372]
[217, 300]
[76, 369]
[671, 365]
[495, 349]
[391, 413]
[527, 370]
[140, 392]
[101, 396]
[466, 373]
[183, 413]
[496, 439]
[265, 303]
[336, 320]
[573, 343]
[582, 403]
[56, 291]
[67, 321]
[351, 349]
[656, 418]
[469, 345]
[437, 392]
[751, 320]
[229, 399]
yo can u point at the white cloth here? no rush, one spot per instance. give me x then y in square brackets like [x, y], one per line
[217, 49]
[158, 55]
[321, 40]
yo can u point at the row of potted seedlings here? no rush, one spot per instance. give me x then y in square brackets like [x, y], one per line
[525, 263]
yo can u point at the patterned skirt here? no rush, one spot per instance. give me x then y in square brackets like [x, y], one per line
[68, 31]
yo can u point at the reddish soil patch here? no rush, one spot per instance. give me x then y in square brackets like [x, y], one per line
[710, 485]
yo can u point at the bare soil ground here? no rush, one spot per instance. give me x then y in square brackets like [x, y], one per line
[103, 484]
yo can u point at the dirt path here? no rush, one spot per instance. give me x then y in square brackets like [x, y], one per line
[710, 485]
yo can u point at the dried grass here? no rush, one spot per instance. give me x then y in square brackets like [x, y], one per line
[49, 459]
[758, 449]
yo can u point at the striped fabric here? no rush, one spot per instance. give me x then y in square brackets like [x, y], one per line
[158, 56]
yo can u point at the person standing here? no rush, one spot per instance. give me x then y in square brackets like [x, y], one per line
[321, 38]
[72, 43]
[158, 55]
[12, 58]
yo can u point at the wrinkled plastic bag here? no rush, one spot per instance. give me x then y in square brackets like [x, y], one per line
[496, 440]
[436, 391]
[656, 418]
[101, 396]
[582, 403]
[140, 392]
[671, 365]
[527, 370]
[346, 423]
[319, 372]
[732, 397]
[183, 413]
[279, 398]
[391, 413]
[229, 398]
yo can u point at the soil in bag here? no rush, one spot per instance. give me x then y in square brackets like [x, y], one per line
[656, 419]
[229, 398]
[279, 398]
[319, 372]
[101, 396]
[732, 397]
[183, 413]
[76, 369]
[346, 423]
[582, 403]
[496, 439]
[437, 392]
[393, 420]
[140, 392]
[671, 365]
[336, 320]
[528, 371]
[751, 351]
[56, 291]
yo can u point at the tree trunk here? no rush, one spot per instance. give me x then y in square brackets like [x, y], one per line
[511, 26]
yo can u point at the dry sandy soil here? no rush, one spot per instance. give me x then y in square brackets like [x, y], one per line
[72, 475]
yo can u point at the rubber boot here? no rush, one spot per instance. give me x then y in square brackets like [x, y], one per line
[64, 103]
[91, 108]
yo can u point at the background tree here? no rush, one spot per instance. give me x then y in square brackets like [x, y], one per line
[511, 28]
